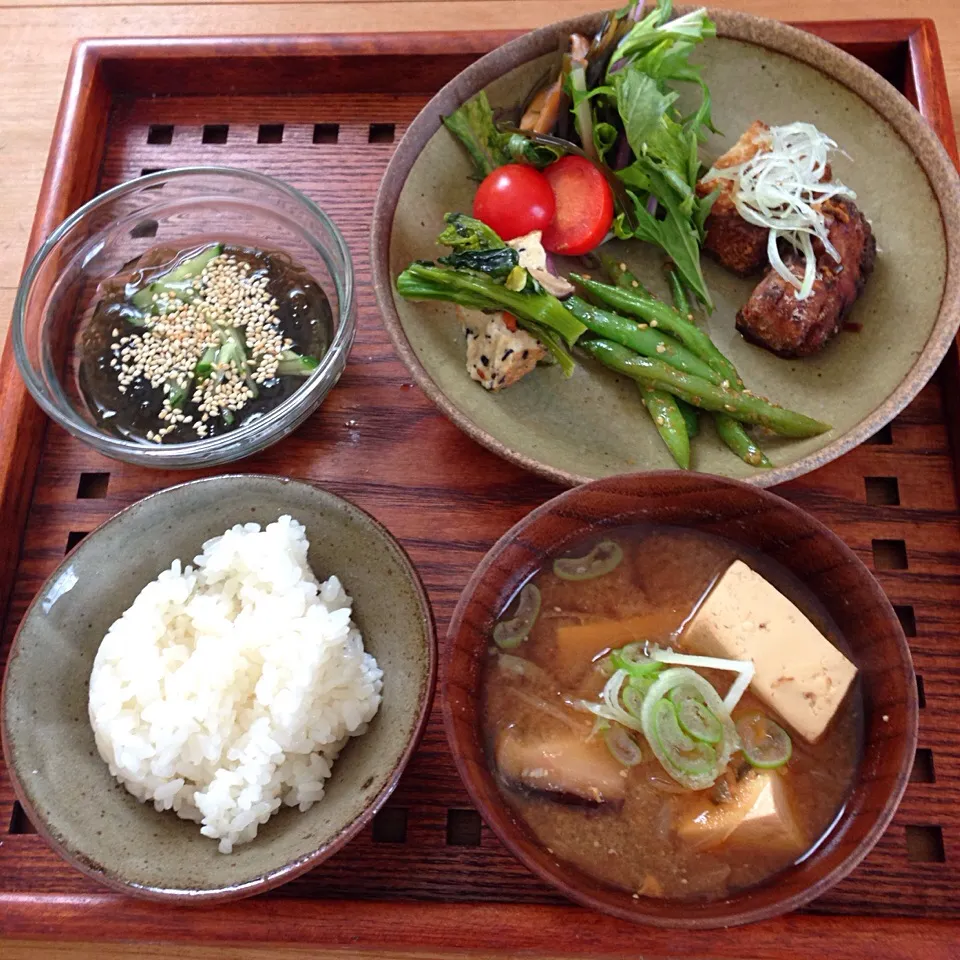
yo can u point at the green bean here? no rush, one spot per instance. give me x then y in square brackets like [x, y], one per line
[702, 393]
[666, 416]
[730, 431]
[690, 414]
[621, 276]
[691, 417]
[679, 295]
[639, 338]
[733, 434]
[675, 424]
[658, 314]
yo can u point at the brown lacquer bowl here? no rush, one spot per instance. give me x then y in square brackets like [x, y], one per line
[760, 521]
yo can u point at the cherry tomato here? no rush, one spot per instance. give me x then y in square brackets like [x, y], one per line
[584, 206]
[514, 200]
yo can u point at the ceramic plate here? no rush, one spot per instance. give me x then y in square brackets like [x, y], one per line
[58, 775]
[593, 425]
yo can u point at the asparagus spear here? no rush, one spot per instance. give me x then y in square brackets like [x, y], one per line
[704, 394]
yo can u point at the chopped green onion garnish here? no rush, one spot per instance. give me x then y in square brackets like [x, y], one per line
[694, 715]
[745, 668]
[686, 765]
[602, 559]
[508, 634]
[622, 746]
[765, 744]
[677, 750]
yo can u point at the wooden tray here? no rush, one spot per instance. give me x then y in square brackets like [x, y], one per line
[323, 113]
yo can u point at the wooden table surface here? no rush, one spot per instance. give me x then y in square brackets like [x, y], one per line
[35, 44]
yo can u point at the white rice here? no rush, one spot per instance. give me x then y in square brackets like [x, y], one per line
[230, 687]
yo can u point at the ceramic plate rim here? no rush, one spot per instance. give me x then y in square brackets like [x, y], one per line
[774, 35]
[292, 868]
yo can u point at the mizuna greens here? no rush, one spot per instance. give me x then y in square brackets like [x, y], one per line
[615, 102]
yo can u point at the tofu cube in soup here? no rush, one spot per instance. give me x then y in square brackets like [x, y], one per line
[757, 814]
[800, 675]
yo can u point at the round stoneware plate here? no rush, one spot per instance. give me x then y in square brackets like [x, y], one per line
[593, 425]
[57, 772]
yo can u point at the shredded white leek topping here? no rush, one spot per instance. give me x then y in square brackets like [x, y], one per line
[782, 189]
[744, 668]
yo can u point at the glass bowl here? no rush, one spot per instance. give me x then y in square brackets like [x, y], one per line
[60, 288]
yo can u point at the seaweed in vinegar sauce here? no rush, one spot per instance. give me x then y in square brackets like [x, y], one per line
[189, 343]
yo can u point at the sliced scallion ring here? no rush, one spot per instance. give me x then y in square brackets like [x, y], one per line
[602, 559]
[508, 634]
[690, 757]
[635, 661]
[765, 744]
[622, 746]
[694, 716]
[632, 698]
[661, 687]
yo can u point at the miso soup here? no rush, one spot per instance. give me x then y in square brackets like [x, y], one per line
[634, 747]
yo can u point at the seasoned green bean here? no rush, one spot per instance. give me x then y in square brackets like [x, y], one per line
[691, 417]
[702, 393]
[675, 424]
[620, 275]
[733, 434]
[665, 413]
[680, 301]
[659, 315]
[639, 338]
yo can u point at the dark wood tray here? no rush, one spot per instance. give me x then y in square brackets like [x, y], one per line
[323, 113]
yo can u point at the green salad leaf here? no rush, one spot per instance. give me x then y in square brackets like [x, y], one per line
[467, 233]
[474, 126]
[661, 180]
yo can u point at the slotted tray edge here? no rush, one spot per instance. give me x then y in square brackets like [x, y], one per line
[99, 71]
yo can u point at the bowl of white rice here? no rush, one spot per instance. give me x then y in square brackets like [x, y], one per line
[218, 688]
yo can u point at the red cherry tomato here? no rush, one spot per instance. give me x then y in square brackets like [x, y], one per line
[514, 200]
[584, 206]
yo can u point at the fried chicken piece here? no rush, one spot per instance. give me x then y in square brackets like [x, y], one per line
[775, 319]
[739, 246]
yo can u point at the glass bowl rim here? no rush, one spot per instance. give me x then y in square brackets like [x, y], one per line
[273, 421]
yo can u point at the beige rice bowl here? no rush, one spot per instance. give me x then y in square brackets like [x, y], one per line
[228, 688]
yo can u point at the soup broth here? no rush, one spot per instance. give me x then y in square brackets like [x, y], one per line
[614, 811]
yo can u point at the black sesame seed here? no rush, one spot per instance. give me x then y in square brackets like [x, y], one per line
[524, 355]
[485, 361]
[506, 353]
